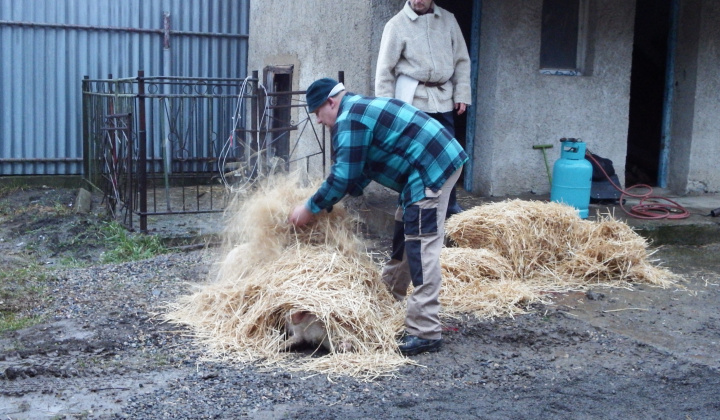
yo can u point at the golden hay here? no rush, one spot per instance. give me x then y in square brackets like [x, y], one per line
[511, 253]
[475, 281]
[260, 223]
[531, 247]
[466, 264]
[271, 269]
[529, 234]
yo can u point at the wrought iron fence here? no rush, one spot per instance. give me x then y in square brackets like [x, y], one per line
[166, 145]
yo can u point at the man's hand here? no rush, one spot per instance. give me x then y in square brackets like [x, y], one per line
[460, 107]
[300, 216]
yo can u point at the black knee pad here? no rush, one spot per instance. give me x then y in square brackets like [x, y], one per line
[414, 255]
[419, 221]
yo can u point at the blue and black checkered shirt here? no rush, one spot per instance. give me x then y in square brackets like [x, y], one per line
[390, 142]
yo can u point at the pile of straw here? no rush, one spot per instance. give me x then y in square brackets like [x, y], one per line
[509, 255]
[517, 251]
[269, 269]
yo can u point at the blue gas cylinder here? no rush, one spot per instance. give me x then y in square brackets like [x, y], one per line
[572, 177]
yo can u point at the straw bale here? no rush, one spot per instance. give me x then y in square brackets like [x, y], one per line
[529, 234]
[476, 281]
[271, 269]
[260, 222]
[246, 317]
[608, 251]
[509, 255]
[528, 248]
[501, 225]
[467, 264]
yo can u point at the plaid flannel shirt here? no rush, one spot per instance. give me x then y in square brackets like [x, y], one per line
[390, 142]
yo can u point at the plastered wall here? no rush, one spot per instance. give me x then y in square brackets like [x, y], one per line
[319, 38]
[684, 99]
[695, 140]
[518, 107]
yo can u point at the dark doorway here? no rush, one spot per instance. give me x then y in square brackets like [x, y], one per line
[278, 80]
[647, 91]
[463, 14]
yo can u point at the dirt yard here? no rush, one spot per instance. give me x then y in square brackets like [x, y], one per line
[94, 348]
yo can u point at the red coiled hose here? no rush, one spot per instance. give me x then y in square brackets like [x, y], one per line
[650, 206]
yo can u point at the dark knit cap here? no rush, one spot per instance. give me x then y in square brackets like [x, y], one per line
[318, 92]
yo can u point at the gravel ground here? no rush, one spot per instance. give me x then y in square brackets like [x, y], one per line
[100, 351]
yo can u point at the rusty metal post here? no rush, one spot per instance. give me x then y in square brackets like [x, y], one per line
[89, 173]
[142, 152]
[129, 196]
[262, 151]
[253, 117]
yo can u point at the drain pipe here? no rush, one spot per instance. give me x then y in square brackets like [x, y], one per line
[666, 135]
[472, 114]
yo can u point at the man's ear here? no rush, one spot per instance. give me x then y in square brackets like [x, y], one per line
[334, 102]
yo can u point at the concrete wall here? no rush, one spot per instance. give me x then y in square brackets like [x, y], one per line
[704, 175]
[382, 11]
[518, 107]
[684, 95]
[695, 139]
[319, 38]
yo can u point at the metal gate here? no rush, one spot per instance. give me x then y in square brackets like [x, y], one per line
[162, 145]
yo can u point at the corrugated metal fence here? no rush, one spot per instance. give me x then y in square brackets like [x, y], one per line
[48, 46]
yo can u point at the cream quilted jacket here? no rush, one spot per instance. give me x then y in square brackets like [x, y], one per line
[429, 48]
